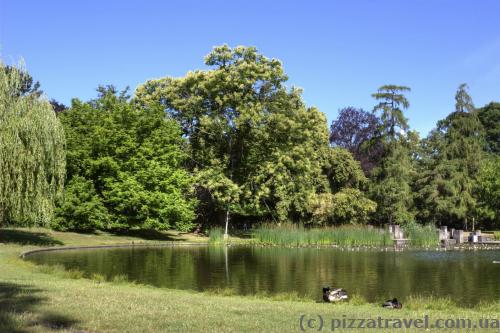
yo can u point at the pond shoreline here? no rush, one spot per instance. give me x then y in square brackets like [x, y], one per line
[197, 309]
[463, 247]
[110, 246]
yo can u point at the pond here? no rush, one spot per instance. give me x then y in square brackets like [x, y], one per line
[468, 277]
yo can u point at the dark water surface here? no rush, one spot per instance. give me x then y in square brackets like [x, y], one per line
[465, 276]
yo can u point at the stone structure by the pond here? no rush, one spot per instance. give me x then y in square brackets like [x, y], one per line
[458, 236]
[395, 231]
[443, 233]
[397, 235]
[455, 236]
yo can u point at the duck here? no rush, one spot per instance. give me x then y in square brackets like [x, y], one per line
[392, 304]
[334, 295]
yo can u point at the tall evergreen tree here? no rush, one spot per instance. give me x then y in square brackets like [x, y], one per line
[392, 104]
[391, 185]
[446, 189]
[463, 101]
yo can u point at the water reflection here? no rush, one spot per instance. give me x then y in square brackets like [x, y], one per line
[468, 276]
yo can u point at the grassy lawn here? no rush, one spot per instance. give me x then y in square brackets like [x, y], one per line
[34, 301]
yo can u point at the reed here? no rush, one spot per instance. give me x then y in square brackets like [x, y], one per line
[421, 235]
[298, 235]
[496, 235]
[216, 235]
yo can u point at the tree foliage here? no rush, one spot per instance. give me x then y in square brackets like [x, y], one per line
[449, 170]
[81, 208]
[391, 181]
[358, 131]
[488, 190]
[133, 157]
[32, 151]
[256, 148]
[234, 142]
[489, 116]
[391, 186]
[392, 104]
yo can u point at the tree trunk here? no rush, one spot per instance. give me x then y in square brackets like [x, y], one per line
[226, 235]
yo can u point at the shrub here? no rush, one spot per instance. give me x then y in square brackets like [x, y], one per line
[81, 209]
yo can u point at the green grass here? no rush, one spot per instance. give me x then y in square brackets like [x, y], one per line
[496, 235]
[421, 236]
[297, 235]
[49, 299]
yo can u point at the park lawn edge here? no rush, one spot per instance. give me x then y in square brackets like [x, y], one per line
[34, 300]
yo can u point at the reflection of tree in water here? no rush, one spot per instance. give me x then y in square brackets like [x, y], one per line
[466, 276]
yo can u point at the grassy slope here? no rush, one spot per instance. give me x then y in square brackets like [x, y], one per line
[32, 301]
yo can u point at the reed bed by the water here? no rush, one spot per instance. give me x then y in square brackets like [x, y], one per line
[298, 235]
[216, 235]
[421, 235]
[496, 235]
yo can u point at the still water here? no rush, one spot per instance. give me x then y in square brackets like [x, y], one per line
[466, 276]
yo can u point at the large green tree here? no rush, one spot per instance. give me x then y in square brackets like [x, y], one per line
[129, 161]
[392, 179]
[32, 155]
[453, 155]
[256, 149]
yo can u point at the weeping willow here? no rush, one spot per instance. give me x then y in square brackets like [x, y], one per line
[32, 154]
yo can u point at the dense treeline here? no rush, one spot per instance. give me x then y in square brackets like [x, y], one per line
[233, 145]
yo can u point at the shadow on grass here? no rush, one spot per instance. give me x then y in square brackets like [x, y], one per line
[27, 238]
[17, 310]
[147, 234]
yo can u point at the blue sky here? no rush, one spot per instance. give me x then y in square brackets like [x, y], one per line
[339, 52]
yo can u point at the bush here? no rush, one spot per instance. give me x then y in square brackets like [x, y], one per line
[127, 166]
[346, 206]
[81, 208]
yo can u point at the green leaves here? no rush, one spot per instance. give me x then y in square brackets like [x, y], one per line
[134, 158]
[81, 208]
[349, 206]
[32, 154]
[256, 149]
[488, 189]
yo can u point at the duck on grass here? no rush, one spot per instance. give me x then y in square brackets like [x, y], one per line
[334, 295]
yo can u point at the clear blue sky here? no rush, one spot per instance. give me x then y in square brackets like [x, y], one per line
[339, 52]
